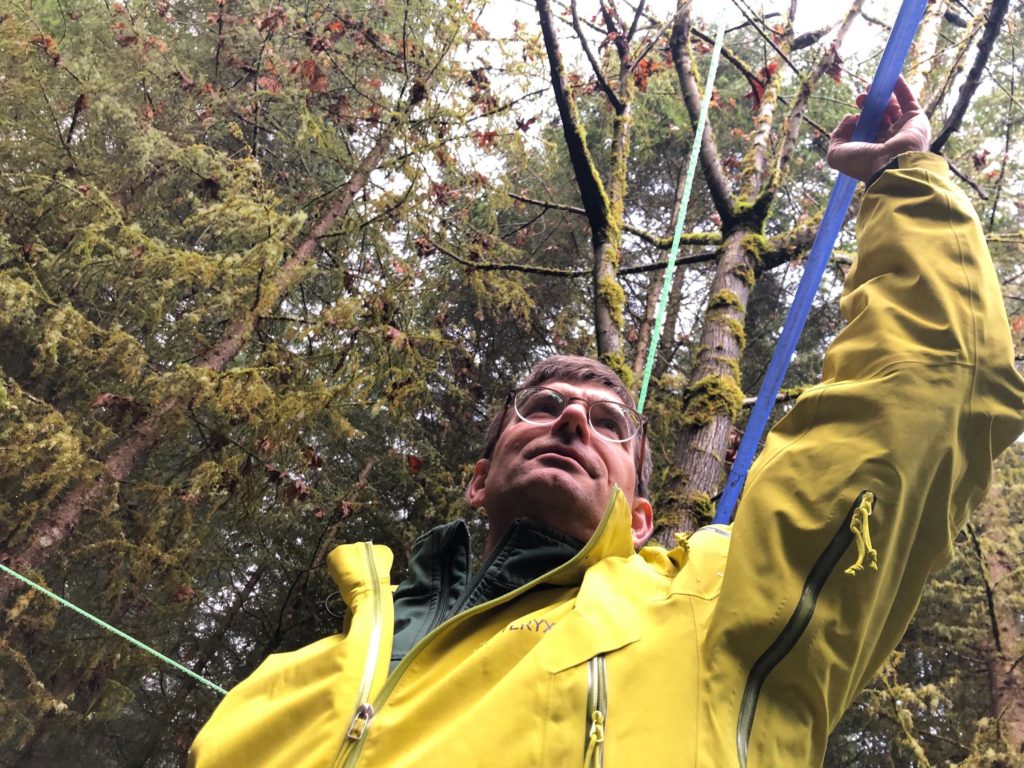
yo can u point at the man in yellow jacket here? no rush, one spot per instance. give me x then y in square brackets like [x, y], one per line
[568, 647]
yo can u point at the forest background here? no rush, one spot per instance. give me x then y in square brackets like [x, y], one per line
[268, 268]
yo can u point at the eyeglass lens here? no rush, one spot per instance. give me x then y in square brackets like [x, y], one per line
[609, 420]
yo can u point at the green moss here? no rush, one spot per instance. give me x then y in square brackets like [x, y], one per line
[736, 329]
[617, 362]
[701, 508]
[754, 247]
[610, 292]
[745, 274]
[709, 397]
[684, 510]
[723, 299]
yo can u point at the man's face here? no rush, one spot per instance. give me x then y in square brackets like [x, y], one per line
[560, 474]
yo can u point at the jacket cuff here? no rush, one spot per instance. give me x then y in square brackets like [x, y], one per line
[931, 161]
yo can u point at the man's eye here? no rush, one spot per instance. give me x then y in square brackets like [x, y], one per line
[541, 404]
[607, 421]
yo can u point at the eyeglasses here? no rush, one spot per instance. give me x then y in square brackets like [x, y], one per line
[609, 420]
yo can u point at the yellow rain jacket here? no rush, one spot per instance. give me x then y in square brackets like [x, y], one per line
[674, 658]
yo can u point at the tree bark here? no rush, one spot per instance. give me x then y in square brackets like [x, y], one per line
[996, 15]
[712, 400]
[1004, 646]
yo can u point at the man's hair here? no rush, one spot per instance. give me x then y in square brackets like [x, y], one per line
[572, 369]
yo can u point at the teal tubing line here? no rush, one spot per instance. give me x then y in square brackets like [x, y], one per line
[112, 629]
[889, 68]
[684, 202]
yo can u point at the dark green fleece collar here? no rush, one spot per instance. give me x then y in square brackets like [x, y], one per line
[439, 585]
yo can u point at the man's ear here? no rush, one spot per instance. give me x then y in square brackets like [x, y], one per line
[475, 491]
[643, 520]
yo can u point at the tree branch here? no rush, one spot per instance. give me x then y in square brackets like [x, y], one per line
[595, 65]
[711, 165]
[664, 242]
[968, 181]
[798, 110]
[758, 25]
[996, 15]
[595, 202]
[531, 269]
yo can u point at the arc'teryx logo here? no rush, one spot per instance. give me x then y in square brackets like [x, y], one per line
[533, 625]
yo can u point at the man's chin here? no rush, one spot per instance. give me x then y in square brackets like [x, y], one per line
[559, 500]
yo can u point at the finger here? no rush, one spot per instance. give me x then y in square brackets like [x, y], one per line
[844, 130]
[892, 110]
[905, 96]
[861, 98]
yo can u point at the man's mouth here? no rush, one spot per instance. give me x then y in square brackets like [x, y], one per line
[562, 458]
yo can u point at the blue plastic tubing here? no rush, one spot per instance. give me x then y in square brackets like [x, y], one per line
[889, 68]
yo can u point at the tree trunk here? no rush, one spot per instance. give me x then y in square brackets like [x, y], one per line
[1004, 648]
[712, 400]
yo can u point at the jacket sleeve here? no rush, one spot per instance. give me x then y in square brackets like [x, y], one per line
[918, 395]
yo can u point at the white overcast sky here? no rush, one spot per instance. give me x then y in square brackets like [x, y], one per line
[811, 14]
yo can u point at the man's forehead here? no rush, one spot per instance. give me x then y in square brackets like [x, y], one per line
[588, 390]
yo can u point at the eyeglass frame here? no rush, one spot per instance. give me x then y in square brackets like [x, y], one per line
[640, 433]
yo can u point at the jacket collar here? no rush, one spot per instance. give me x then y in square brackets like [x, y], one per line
[612, 538]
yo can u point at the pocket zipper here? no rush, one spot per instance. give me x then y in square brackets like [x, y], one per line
[597, 713]
[853, 529]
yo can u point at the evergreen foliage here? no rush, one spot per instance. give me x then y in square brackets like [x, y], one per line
[267, 269]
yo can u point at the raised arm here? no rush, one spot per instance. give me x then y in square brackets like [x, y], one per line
[863, 486]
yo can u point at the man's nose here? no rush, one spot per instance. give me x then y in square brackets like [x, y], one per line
[573, 421]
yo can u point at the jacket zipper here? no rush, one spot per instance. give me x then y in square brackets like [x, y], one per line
[349, 754]
[364, 709]
[597, 713]
[800, 619]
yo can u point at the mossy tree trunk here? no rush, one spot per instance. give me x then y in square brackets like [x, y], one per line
[1003, 648]
[712, 400]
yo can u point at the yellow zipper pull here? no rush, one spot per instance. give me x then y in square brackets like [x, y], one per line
[862, 535]
[595, 737]
[364, 713]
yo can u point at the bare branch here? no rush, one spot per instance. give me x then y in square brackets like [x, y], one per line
[595, 202]
[595, 65]
[749, 22]
[636, 20]
[493, 266]
[784, 396]
[996, 15]
[966, 180]
[664, 242]
[796, 113]
[955, 67]
[711, 165]
[759, 27]
[646, 48]
[534, 269]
